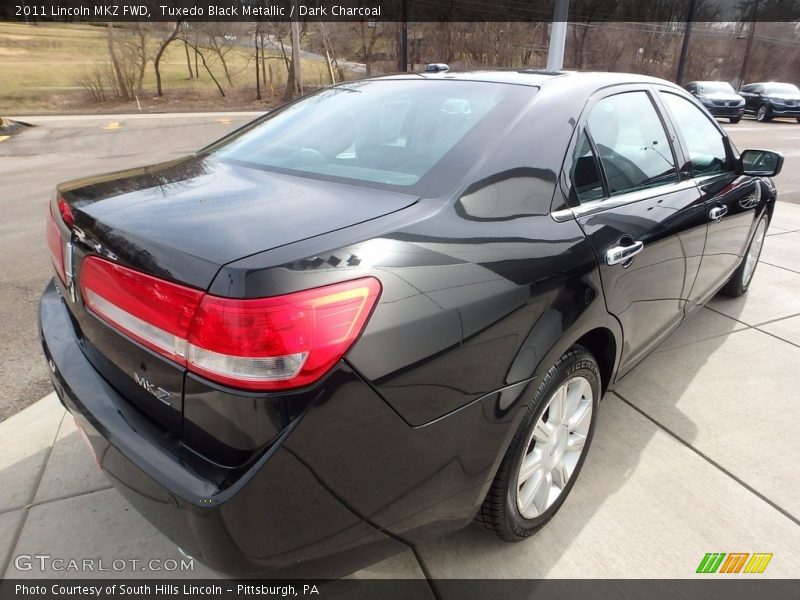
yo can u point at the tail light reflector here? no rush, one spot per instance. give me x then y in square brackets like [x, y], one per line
[260, 344]
[66, 212]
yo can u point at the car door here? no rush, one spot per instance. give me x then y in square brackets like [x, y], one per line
[730, 200]
[645, 224]
[752, 98]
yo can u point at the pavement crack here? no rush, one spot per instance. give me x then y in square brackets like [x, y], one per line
[26, 509]
[425, 571]
[709, 460]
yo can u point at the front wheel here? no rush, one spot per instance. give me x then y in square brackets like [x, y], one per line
[548, 450]
[763, 114]
[740, 280]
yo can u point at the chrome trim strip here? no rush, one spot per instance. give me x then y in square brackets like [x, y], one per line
[621, 200]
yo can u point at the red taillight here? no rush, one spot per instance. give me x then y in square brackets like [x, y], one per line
[66, 212]
[281, 342]
[152, 311]
[56, 244]
[263, 344]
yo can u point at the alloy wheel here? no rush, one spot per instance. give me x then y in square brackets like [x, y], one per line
[554, 447]
[761, 115]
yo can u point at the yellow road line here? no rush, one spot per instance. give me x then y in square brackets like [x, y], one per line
[3, 138]
[113, 125]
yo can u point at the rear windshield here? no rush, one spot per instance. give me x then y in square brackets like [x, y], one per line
[385, 132]
[711, 87]
[782, 88]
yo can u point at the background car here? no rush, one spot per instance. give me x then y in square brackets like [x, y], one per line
[771, 99]
[388, 309]
[719, 98]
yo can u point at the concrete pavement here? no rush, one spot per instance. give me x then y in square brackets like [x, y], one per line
[696, 451]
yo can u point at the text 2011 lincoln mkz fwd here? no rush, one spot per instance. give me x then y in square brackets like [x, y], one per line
[390, 308]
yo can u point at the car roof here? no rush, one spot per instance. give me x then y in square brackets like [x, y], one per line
[535, 77]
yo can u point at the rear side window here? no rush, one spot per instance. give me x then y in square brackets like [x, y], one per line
[587, 183]
[631, 142]
[707, 154]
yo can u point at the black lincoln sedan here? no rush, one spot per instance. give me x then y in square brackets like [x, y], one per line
[390, 308]
[769, 100]
[719, 98]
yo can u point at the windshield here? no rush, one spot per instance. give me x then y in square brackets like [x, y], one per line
[715, 87]
[782, 88]
[390, 132]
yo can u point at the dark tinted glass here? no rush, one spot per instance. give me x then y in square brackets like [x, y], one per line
[384, 132]
[632, 143]
[707, 154]
[587, 184]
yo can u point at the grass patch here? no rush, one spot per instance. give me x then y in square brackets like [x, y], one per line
[41, 67]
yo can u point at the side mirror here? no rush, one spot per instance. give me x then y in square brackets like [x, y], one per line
[761, 163]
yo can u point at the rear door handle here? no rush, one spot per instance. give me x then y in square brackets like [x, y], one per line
[716, 213]
[621, 254]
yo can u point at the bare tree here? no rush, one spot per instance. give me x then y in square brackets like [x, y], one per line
[161, 48]
[256, 36]
[199, 53]
[122, 87]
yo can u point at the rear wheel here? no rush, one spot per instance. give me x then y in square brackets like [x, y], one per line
[763, 114]
[548, 450]
[740, 280]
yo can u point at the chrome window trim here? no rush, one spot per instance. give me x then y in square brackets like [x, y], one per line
[622, 200]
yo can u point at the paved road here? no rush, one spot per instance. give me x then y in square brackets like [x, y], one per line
[61, 148]
[31, 164]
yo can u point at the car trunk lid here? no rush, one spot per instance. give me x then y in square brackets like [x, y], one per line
[181, 222]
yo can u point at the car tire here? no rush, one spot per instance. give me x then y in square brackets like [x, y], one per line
[739, 282]
[762, 114]
[735, 119]
[514, 511]
[798, 119]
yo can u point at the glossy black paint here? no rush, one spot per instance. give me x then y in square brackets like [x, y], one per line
[484, 287]
[757, 95]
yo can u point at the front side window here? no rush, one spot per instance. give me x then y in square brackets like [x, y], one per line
[707, 154]
[631, 142]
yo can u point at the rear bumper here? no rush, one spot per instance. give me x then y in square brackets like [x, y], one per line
[346, 484]
[274, 517]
